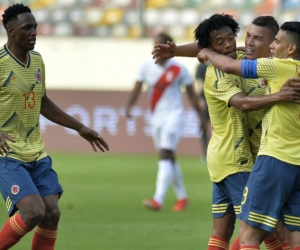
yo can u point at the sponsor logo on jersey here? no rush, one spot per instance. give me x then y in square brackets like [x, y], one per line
[13, 79]
[15, 189]
[38, 76]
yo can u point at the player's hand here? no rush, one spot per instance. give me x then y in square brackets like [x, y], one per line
[128, 114]
[290, 91]
[93, 138]
[164, 51]
[202, 55]
[4, 147]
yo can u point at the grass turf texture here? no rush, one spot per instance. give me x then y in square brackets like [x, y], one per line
[102, 205]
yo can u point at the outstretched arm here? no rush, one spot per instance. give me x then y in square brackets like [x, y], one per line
[133, 97]
[53, 113]
[223, 63]
[169, 50]
[290, 92]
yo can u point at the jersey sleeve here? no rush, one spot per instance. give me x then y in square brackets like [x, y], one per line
[263, 68]
[224, 87]
[266, 68]
[141, 72]
[186, 77]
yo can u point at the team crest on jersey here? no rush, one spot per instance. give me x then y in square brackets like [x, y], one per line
[262, 83]
[38, 76]
[15, 189]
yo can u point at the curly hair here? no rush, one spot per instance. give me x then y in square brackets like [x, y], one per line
[215, 22]
[12, 12]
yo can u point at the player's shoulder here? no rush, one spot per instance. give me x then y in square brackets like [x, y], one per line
[3, 52]
[175, 62]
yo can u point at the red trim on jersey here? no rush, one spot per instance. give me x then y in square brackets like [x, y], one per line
[163, 82]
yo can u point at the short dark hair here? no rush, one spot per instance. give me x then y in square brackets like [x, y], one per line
[268, 22]
[12, 12]
[292, 30]
[165, 37]
[215, 22]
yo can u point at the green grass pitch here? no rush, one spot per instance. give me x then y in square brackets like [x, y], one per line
[102, 205]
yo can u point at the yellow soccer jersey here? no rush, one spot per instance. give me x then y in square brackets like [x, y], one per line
[254, 87]
[280, 136]
[229, 148]
[21, 90]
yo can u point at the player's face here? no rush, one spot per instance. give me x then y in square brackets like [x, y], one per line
[23, 32]
[257, 42]
[223, 42]
[159, 40]
[280, 46]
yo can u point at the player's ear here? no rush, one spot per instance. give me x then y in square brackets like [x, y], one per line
[292, 49]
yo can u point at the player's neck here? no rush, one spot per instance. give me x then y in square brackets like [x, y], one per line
[21, 55]
[162, 62]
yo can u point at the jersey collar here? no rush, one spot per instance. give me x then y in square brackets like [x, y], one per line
[16, 59]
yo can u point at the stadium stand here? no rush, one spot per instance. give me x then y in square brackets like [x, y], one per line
[136, 18]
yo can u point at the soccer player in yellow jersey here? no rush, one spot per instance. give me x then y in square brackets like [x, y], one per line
[28, 182]
[273, 190]
[223, 93]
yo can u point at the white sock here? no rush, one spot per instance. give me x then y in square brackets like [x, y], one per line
[163, 180]
[177, 184]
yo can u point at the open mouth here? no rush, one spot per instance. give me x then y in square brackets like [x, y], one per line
[249, 50]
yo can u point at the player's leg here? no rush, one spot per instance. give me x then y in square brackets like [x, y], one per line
[223, 229]
[165, 171]
[46, 181]
[179, 188]
[223, 215]
[45, 233]
[262, 203]
[19, 193]
[251, 237]
[272, 242]
[294, 237]
[291, 213]
[170, 139]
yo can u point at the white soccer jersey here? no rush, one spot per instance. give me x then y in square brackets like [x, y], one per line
[164, 88]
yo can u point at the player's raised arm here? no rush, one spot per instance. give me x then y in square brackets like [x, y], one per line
[222, 62]
[169, 50]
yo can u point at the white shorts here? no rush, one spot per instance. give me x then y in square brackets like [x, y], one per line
[167, 135]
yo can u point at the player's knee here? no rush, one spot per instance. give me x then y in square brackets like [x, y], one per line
[224, 232]
[33, 216]
[52, 215]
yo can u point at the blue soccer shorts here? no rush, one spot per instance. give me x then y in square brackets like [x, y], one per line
[227, 195]
[20, 179]
[271, 194]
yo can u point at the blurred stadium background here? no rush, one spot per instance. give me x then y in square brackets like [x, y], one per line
[97, 46]
[92, 49]
[141, 18]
